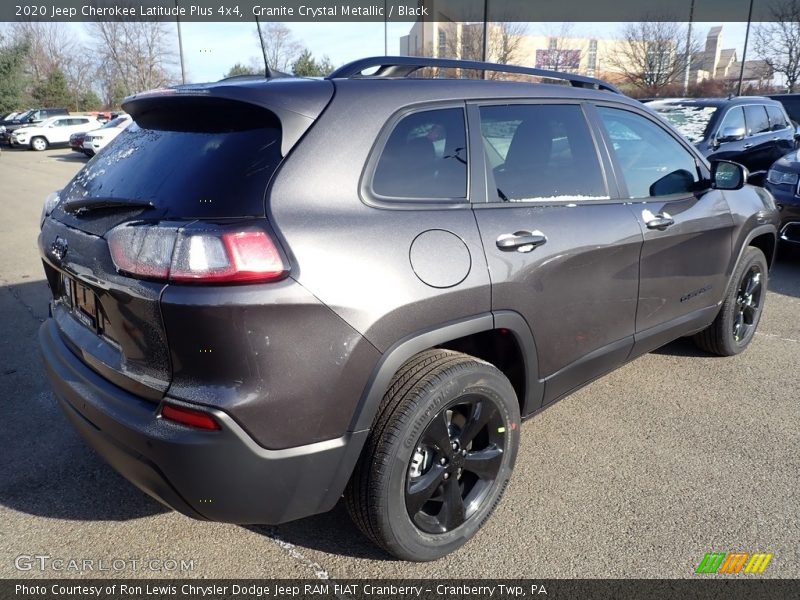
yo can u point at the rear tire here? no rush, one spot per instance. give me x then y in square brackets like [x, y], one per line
[736, 323]
[438, 458]
[39, 144]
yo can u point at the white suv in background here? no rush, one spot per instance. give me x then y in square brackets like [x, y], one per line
[99, 139]
[54, 131]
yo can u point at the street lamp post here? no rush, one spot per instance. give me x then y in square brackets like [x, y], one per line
[180, 45]
[688, 52]
[744, 51]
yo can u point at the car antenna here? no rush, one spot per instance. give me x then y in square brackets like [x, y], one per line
[268, 73]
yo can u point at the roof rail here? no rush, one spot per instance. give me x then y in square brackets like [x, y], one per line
[403, 66]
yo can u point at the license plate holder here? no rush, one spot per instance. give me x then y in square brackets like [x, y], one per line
[82, 301]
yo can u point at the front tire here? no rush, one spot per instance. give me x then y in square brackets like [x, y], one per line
[438, 458]
[39, 144]
[735, 325]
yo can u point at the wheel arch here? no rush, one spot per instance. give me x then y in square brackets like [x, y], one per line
[765, 238]
[445, 335]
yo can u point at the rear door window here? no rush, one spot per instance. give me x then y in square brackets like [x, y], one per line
[757, 120]
[541, 152]
[424, 158]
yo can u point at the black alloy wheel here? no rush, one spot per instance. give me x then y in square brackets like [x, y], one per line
[454, 465]
[748, 304]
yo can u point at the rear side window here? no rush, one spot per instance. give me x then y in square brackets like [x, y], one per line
[541, 152]
[190, 159]
[652, 162]
[757, 120]
[425, 157]
[777, 120]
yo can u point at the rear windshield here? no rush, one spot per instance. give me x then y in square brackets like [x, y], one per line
[691, 120]
[190, 163]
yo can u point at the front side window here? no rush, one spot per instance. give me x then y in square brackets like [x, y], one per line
[653, 163]
[425, 157]
[540, 153]
[734, 119]
[757, 120]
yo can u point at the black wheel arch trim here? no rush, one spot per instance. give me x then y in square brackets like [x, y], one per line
[753, 234]
[416, 342]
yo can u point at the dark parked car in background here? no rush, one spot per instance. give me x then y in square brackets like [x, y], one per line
[76, 142]
[791, 102]
[783, 180]
[750, 130]
[31, 117]
[248, 325]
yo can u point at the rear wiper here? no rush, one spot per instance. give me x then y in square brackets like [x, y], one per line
[84, 205]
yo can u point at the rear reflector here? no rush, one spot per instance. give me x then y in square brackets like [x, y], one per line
[207, 254]
[187, 416]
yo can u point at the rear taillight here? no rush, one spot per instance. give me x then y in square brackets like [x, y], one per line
[189, 417]
[200, 255]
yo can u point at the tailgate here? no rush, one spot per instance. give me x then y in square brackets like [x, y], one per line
[196, 155]
[112, 322]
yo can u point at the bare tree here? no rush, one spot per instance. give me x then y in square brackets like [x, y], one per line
[279, 46]
[778, 42]
[465, 41]
[52, 47]
[133, 56]
[652, 54]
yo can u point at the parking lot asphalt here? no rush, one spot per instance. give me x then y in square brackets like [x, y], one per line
[637, 475]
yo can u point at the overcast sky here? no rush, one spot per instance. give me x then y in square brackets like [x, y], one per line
[210, 49]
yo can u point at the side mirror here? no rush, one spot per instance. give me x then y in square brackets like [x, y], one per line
[728, 175]
[731, 134]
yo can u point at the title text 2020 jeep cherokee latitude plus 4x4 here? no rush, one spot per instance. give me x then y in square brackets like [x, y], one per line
[270, 293]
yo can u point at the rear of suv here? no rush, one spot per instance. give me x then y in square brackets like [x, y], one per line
[271, 293]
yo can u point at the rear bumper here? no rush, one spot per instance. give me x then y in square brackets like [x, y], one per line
[217, 475]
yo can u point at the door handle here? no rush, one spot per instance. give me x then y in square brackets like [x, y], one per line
[747, 146]
[521, 241]
[660, 222]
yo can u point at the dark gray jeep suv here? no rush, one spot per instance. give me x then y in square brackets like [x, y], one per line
[270, 293]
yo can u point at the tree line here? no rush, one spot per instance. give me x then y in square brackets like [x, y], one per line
[46, 64]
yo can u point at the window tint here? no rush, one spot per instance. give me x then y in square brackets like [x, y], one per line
[60, 122]
[777, 120]
[653, 163]
[734, 119]
[540, 152]
[756, 117]
[425, 157]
